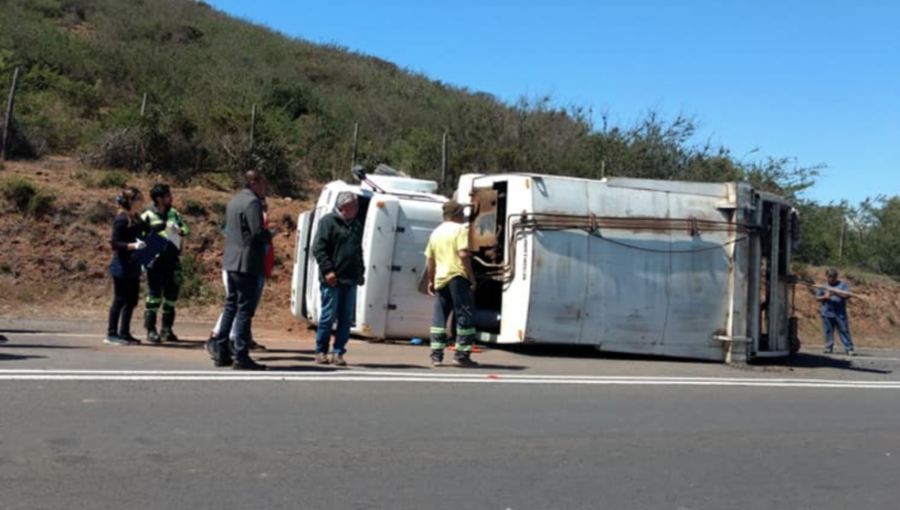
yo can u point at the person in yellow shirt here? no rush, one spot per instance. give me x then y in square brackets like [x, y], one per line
[451, 281]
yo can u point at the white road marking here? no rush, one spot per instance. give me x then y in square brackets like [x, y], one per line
[397, 377]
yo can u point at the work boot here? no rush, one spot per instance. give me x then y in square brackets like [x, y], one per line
[321, 358]
[851, 353]
[246, 363]
[168, 322]
[150, 326]
[256, 347]
[828, 351]
[465, 362]
[338, 360]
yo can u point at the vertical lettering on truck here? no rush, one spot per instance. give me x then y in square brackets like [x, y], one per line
[524, 257]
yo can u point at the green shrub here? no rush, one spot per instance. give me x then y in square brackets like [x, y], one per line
[41, 203]
[19, 192]
[100, 212]
[111, 179]
[192, 286]
[194, 207]
[27, 197]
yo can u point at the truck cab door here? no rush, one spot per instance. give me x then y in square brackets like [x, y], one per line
[302, 256]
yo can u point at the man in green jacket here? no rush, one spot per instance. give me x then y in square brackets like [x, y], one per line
[338, 251]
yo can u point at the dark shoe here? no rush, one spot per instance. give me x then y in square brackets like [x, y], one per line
[248, 364]
[168, 335]
[338, 360]
[153, 337]
[322, 358]
[211, 346]
[223, 361]
[115, 340]
[257, 347]
[465, 363]
[828, 351]
[3, 339]
[130, 339]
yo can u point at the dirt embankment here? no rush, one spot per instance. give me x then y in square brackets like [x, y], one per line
[56, 265]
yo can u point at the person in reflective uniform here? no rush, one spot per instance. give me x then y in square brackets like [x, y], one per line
[164, 273]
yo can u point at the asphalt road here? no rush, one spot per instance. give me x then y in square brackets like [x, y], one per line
[83, 426]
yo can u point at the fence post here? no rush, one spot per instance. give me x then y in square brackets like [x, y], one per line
[9, 115]
[144, 105]
[355, 144]
[252, 127]
[445, 160]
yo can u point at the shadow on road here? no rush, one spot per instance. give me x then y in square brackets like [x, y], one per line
[303, 368]
[18, 357]
[285, 358]
[46, 346]
[806, 360]
[391, 366]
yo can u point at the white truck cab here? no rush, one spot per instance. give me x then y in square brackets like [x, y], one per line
[397, 220]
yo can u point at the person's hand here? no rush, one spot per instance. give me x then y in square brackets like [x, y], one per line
[431, 289]
[362, 281]
[473, 286]
[139, 245]
[331, 279]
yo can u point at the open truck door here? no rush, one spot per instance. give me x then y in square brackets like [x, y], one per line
[302, 255]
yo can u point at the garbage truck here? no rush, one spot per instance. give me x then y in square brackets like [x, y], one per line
[661, 268]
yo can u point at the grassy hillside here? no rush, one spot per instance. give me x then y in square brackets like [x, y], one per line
[88, 63]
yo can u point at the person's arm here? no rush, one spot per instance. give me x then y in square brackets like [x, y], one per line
[185, 230]
[822, 295]
[838, 295]
[362, 259]
[120, 236]
[429, 274]
[259, 236]
[322, 251]
[462, 247]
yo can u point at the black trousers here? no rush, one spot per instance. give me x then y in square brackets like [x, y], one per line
[237, 318]
[125, 299]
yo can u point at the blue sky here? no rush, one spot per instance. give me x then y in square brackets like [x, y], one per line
[817, 80]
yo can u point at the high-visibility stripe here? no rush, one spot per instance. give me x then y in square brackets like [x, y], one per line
[463, 348]
[154, 301]
[466, 331]
[438, 331]
[170, 303]
[438, 346]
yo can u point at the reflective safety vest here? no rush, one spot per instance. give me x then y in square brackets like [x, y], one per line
[157, 225]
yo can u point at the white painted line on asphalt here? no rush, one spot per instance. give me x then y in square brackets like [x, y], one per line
[138, 376]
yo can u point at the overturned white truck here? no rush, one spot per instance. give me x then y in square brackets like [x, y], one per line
[678, 269]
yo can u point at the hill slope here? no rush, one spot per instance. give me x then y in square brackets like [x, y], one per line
[88, 63]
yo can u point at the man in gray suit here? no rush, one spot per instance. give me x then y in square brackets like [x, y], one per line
[245, 255]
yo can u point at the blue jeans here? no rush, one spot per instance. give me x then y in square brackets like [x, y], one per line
[832, 323]
[338, 303]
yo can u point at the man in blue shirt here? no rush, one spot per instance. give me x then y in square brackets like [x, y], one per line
[834, 312]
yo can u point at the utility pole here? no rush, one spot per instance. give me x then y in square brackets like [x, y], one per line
[7, 126]
[355, 145]
[252, 127]
[841, 243]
